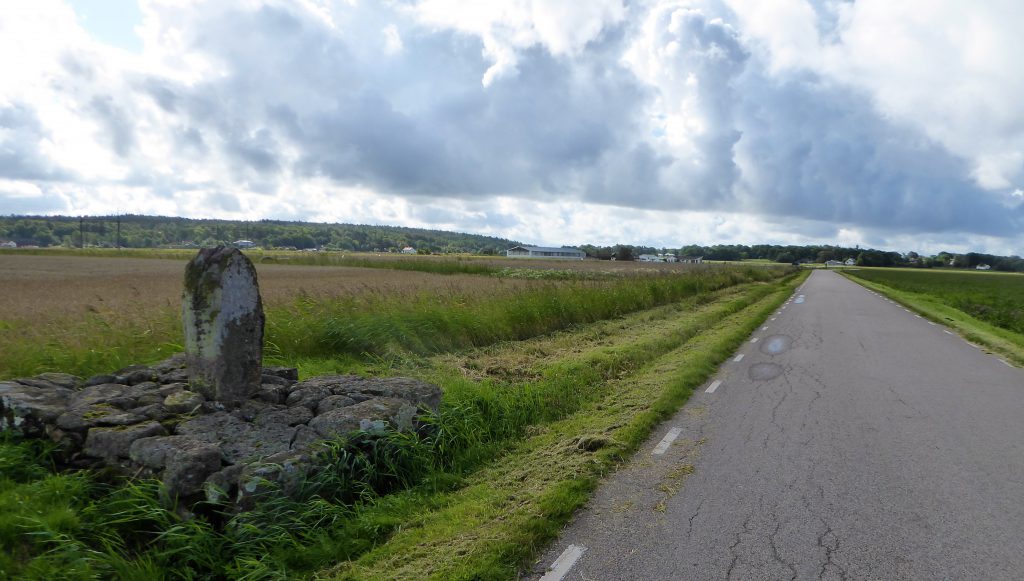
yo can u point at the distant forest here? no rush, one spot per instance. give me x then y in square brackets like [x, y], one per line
[131, 231]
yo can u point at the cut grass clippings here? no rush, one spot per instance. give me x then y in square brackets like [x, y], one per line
[1001, 341]
[492, 526]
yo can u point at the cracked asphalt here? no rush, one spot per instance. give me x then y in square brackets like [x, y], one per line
[854, 440]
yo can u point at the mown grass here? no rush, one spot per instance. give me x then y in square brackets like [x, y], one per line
[986, 308]
[507, 511]
[373, 487]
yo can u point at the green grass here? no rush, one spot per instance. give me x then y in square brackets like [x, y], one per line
[510, 405]
[986, 308]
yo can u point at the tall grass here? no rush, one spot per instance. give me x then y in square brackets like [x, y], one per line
[379, 326]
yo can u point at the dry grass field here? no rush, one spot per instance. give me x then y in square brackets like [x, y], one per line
[41, 289]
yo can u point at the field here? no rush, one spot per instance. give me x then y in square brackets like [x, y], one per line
[988, 307]
[996, 298]
[549, 381]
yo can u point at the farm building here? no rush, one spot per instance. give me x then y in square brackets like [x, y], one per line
[408, 250]
[543, 252]
[832, 263]
[650, 258]
[9, 244]
[850, 262]
[243, 244]
[983, 267]
[691, 259]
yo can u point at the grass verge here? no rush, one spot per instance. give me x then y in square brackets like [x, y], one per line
[491, 527]
[998, 340]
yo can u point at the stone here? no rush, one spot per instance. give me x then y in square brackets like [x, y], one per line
[276, 394]
[333, 402]
[183, 402]
[281, 415]
[65, 380]
[239, 440]
[115, 394]
[311, 391]
[172, 363]
[268, 379]
[185, 462]
[99, 379]
[220, 485]
[28, 410]
[284, 472]
[371, 416]
[97, 414]
[290, 374]
[223, 321]
[136, 374]
[113, 443]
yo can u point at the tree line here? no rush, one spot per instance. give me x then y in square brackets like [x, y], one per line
[133, 231]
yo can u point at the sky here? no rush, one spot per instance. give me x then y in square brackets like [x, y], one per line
[893, 125]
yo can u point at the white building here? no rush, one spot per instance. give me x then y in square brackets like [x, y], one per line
[691, 259]
[983, 267]
[832, 263]
[243, 244]
[408, 250]
[850, 262]
[543, 252]
[650, 258]
[9, 244]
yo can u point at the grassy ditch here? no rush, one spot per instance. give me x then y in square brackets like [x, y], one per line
[942, 296]
[78, 526]
[507, 511]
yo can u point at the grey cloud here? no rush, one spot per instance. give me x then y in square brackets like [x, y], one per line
[822, 152]
[119, 130]
[20, 157]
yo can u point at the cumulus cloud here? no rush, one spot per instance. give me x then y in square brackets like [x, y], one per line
[535, 119]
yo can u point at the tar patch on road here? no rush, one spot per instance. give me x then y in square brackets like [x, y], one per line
[764, 371]
[776, 344]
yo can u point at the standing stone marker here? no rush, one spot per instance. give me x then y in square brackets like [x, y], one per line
[223, 319]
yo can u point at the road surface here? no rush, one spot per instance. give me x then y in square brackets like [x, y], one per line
[848, 439]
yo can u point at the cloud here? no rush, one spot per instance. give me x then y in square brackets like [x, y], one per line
[739, 119]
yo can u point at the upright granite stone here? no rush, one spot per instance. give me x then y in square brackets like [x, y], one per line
[223, 319]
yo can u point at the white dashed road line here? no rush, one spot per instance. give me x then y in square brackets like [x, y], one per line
[738, 358]
[711, 389]
[754, 340]
[667, 441]
[947, 332]
[563, 564]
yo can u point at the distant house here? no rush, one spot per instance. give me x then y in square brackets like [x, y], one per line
[243, 244]
[544, 252]
[832, 263]
[691, 259]
[9, 244]
[983, 267]
[408, 250]
[669, 257]
[650, 258]
[850, 262]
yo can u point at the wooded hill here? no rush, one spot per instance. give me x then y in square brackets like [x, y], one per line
[131, 231]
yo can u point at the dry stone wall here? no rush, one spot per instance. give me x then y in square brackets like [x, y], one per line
[147, 421]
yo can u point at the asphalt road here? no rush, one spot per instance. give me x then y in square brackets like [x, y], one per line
[852, 440]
